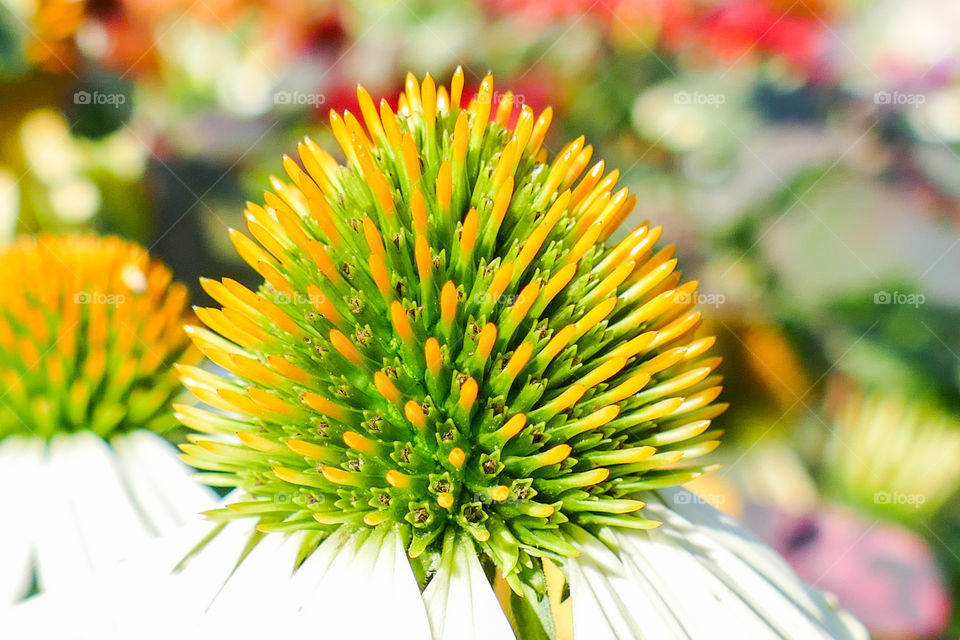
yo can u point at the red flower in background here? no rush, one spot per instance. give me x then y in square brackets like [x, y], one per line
[737, 29]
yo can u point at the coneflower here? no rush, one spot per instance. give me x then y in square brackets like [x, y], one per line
[861, 467]
[89, 328]
[451, 384]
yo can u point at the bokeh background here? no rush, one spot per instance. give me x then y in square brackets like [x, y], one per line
[803, 157]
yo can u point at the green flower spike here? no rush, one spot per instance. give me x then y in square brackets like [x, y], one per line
[445, 343]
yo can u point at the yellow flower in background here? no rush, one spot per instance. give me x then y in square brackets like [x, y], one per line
[89, 330]
[893, 456]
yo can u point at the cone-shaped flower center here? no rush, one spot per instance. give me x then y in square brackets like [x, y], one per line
[89, 328]
[445, 340]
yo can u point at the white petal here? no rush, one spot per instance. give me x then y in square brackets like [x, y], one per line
[460, 601]
[613, 603]
[87, 517]
[699, 575]
[256, 597]
[743, 557]
[367, 589]
[20, 460]
[160, 483]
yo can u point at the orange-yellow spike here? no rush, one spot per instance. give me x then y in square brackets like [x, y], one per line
[448, 302]
[444, 186]
[401, 324]
[468, 233]
[386, 387]
[433, 356]
[457, 457]
[519, 359]
[488, 338]
[344, 347]
[468, 393]
[500, 282]
[414, 413]
[456, 87]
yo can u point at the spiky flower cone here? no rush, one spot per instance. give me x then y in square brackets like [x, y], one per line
[89, 330]
[445, 342]
[893, 457]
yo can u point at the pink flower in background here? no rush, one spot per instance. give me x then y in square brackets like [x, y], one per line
[884, 574]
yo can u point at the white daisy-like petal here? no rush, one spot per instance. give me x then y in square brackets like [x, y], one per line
[159, 482]
[614, 604]
[87, 517]
[17, 457]
[699, 575]
[367, 590]
[461, 602]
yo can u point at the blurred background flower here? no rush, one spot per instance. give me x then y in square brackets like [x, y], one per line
[804, 154]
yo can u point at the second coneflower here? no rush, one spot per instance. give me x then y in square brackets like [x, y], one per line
[89, 328]
[452, 388]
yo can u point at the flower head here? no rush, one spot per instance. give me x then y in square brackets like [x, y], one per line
[89, 328]
[446, 340]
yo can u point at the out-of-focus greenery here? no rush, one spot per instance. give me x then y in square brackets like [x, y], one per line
[804, 158]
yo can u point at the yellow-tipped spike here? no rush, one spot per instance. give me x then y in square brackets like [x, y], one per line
[386, 388]
[414, 413]
[512, 427]
[374, 518]
[608, 369]
[500, 282]
[500, 493]
[423, 258]
[556, 455]
[481, 107]
[444, 186]
[456, 87]
[311, 450]
[488, 337]
[324, 406]
[457, 457]
[593, 317]
[560, 341]
[468, 393]
[411, 158]
[358, 442]
[418, 208]
[445, 500]
[525, 299]
[468, 233]
[448, 302]
[400, 322]
[519, 359]
[344, 347]
[369, 112]
[433, 356]
[397, 479]
[558, 281]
